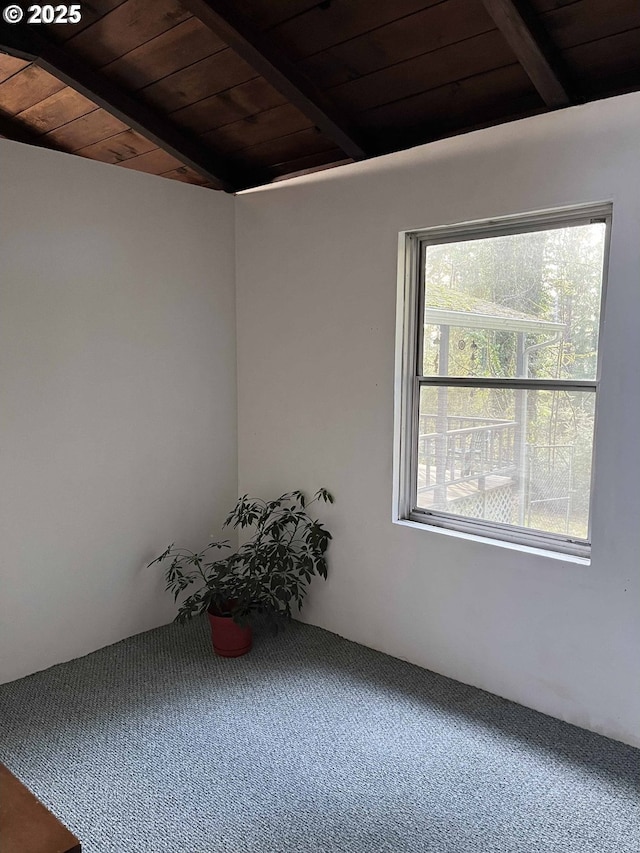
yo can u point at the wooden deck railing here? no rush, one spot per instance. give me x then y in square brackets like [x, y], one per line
[470, 448]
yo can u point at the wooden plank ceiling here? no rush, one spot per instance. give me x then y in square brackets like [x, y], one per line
[236, 94]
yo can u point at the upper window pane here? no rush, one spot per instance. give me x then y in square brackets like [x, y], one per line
[516, 305]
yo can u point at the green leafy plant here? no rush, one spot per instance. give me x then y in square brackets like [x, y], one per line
[268, 575]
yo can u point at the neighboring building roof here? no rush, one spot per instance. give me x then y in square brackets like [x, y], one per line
[454, 308]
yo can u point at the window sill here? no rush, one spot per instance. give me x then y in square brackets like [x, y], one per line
[500, 543]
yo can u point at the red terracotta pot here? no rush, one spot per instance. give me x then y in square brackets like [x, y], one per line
[230, 640]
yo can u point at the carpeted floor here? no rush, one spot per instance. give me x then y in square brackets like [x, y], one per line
[310, 744]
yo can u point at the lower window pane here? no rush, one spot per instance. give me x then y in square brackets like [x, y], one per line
[507, 455]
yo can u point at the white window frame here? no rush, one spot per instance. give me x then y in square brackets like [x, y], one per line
[409, 377]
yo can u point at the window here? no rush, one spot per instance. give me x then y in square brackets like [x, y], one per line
[498, 369]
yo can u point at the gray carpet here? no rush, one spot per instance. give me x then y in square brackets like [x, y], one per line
[309, 744]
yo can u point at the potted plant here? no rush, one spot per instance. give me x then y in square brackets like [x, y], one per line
[268, 575]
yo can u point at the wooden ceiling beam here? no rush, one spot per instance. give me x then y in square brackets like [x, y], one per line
[24, 42]
[532, 49]
[257, 49]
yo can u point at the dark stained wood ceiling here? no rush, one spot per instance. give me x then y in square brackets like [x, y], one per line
[236, 94]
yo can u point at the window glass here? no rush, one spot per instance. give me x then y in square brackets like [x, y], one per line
[513, 456]
[515, 305]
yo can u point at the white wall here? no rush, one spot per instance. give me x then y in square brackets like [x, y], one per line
[316, 299]
[117, 382]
